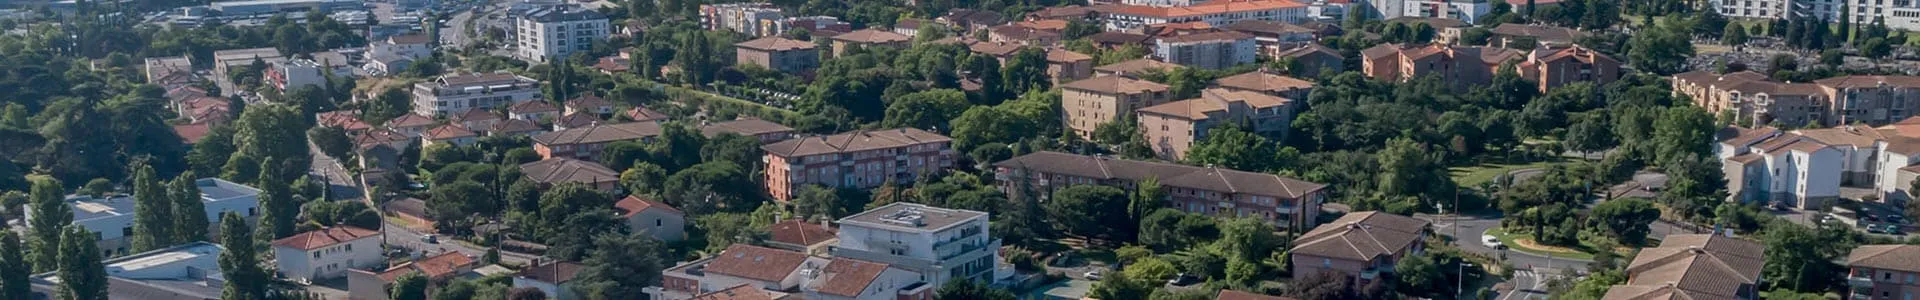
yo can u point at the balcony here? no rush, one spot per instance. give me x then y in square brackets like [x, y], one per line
[1370, 274]
[1859, 281]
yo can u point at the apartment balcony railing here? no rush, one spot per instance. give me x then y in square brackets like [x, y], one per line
[1859, 281]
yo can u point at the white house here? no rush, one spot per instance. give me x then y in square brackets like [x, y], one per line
[1788, 168]
[328, 253]
[112, 218]
[550, 278]
[1469, 11]
[655, 218]
[761, 267]
[849, 279]
[938, 243]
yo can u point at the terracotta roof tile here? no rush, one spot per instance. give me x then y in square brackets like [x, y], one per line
[410, 120]
[1263, 81]
[1137, 65]
[192, 133]
[535, 106]
[1700, 264]
[632, 205]
[741, 292]
[643, 114]
[747, 127]
[1362, 236]
[435, 267]
[324, 237]
[800, 232]
[1209, 8]
[599, 134]
[848, 277]
[873, 36]
[1116, 85]
[861, 140]
[756, 263]
[448, 132]
[564, 170]
[1226, 294]
[555, 273]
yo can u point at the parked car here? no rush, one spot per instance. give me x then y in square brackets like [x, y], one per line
[1491, 242]
[1091, 275]
[430, 239]
[1183, 280]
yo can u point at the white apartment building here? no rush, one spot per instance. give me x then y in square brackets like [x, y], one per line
[184, 271]
[1126, 17]
[937, 243]
[1468, 11]
[1164, 3]
[554, 32]
[1210, 50]
[112, 219]
[414, 46]
[1898, 14]
[459, 92]
[328, 253]
[1791, 169]
[746, 18]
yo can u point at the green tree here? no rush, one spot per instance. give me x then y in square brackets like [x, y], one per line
[276, 136]
[643, 178]
[1235, 148]
[98, 188]
[926, 110]
[240, 260]
[50, 214]
[1246, 239]
[331, 140]
[152, 212]
[14, 267]
[969, 290]
[696, 58]
[1151, 269]
[82, 275]
[1590, 134]
[1735, 35]
[817, 200]
[1418, 274]
[1025, 71]
[412, 286]
[1087, 209]
[189, 212]
[1661, 50]
[278, 209]
[1801, 258]
[1119, 286]
[620, 265]
[1626, 219]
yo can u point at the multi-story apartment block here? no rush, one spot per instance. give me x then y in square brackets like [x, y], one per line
[1266, 81]
[1208, 50]
[1089, 103]
[1753, 97]
[1895, 14]
[1469, 11]
[1694, 266]
[187, 271]
[939, 244]
[1464, 67]
[745, 18]
[1883, 272]
[868, 38]
[860, 159]
[111, 219]
[1163, 3]
[554, 32]
[1172, 128]
[328, 253]
[1361, 245]
[297, 73]
[1213, 191]
[1798, 171]
[1552, 67]
[1510, 35]
[412, 46]
[1133, 67]
[1126, 17]
[745, 271]
[460, 92]
[1274, 36]
[778, 54]
[1066, 66]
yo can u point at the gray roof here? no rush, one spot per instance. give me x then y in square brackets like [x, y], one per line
[904, 216]
[211, 189]
[1362, 236]
[186, 271]
[563, 170]
[562, 13]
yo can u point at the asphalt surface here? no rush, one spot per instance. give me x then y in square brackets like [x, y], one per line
[1472, 228]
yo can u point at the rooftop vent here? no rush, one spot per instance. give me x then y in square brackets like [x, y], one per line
[908, 216]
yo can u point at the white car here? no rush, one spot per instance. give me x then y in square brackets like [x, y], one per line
[1491, 242]
[1092, 275]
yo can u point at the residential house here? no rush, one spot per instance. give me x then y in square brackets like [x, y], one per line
[459, 92]
[1274, 36]
[1029, 33]
[475, 119]
[1552, 67]
[438, 269]
[868, 38]
[971, 20]
[910, 26]
[407, 46]
[346, 120]
[939, 244]
[851, 279]
[1210, 50]
[653, 218]
[515, 127]
[576, 120]
[614, 64]
[227, 61]
[1464, 67]
[1115, 40]
[551, 278]
[1267, 82]
[1173, 127]
[644, 114]
[1694, 266]
[111, 219]
[451, 134]
[778, 54]
[532, 111]
[1213, 191]
[1226, 294]
[1089, 103]
[411, 125]
[1511, 35]
[1754, 98]
[740, 264]
[802, 236]
[1882, 271]
[586, 142]
[560, 170]
[1067, 66]
[1133, 67]
[192, 132]
[589, 104]
[1064, 13]
[1764, 166]
[1361, 245]
[170, 72]
[743, 292]
[327, 253]
[206, 110]
[860, 159]
[768, 132]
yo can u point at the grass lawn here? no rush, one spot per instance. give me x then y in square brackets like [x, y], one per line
[1512, 242]
[1471, 176]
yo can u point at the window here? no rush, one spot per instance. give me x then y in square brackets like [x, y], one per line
[316, 255]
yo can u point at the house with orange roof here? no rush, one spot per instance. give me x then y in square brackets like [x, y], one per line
[778, 53]
[1089, 103]
[1213, 49]
[411, 125]
[654, 218]
[327, 253]
[760, 267]
[1066, 65]
[868, 38]
[439, 269]
[800, 235]
[1465, 67]
[452, 134]
[1756, 98]
[347, 120]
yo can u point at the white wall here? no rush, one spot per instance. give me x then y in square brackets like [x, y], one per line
[1821, 174]
[333, 261]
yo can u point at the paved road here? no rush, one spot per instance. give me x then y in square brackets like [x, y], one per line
[1472, 228]
[1527, 285]
[340, 184]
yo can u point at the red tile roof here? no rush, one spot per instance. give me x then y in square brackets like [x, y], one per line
[634, 205]
[324, 237]
[191, 133]
[800, 232]
[756, 263]
[410, 120]
[437, 266]
[1209, 8]
[847, 277]
[448, 132]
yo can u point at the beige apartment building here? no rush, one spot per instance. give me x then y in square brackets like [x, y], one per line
[1213, 191]
[1172, 128]
[868, 38]
[1066, 66]
[1464, 67]
[1089, 103]
[1552, 67]
[779, 54]
[861, 159]
[1883, 272]
[1753, 97]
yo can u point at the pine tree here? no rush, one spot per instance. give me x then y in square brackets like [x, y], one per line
[14, 268]
[238, 262]
[411, 286]
[1845, 32]
[50, 214]
[82, 275]
[277, 209]
[152, 212]
[189, 213]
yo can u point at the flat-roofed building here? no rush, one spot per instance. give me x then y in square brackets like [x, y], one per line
[111, 219]
[459, 92]
[778, 54]
[185, 271]
[939, 244]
